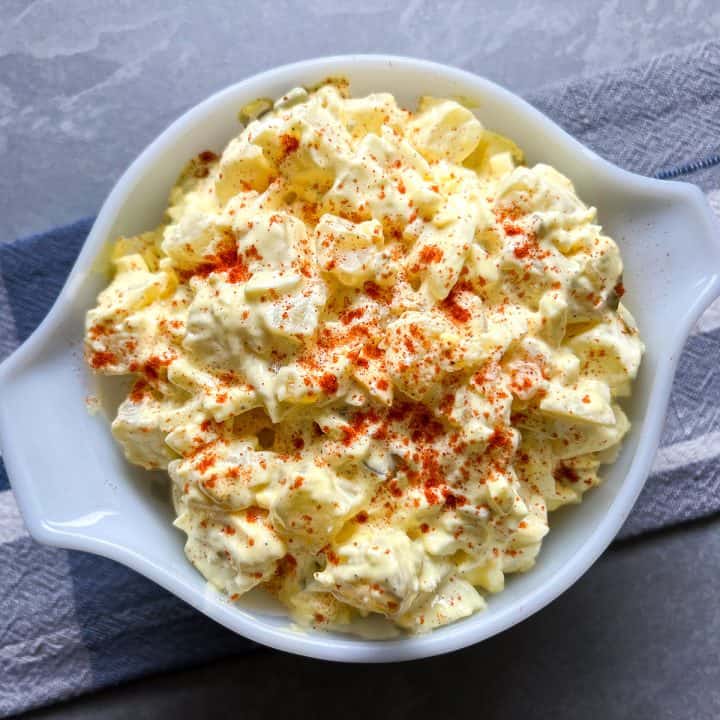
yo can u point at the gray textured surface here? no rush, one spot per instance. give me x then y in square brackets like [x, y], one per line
[85, 85]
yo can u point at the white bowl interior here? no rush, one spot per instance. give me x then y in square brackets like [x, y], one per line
[76, 490]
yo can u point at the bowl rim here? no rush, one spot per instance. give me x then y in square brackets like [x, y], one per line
[329, 646]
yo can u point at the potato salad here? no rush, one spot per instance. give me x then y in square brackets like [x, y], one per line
[373, 349]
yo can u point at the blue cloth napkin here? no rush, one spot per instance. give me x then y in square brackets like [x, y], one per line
[73, 622]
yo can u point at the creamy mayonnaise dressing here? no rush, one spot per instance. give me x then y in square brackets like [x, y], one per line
[373, 350]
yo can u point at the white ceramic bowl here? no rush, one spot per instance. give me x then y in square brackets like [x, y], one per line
[76, 491]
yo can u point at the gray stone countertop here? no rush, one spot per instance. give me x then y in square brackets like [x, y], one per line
[85, 85]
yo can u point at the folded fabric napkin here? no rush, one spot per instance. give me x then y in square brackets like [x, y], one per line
[73, 622]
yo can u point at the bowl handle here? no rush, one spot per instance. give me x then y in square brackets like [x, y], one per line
[704, 225]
